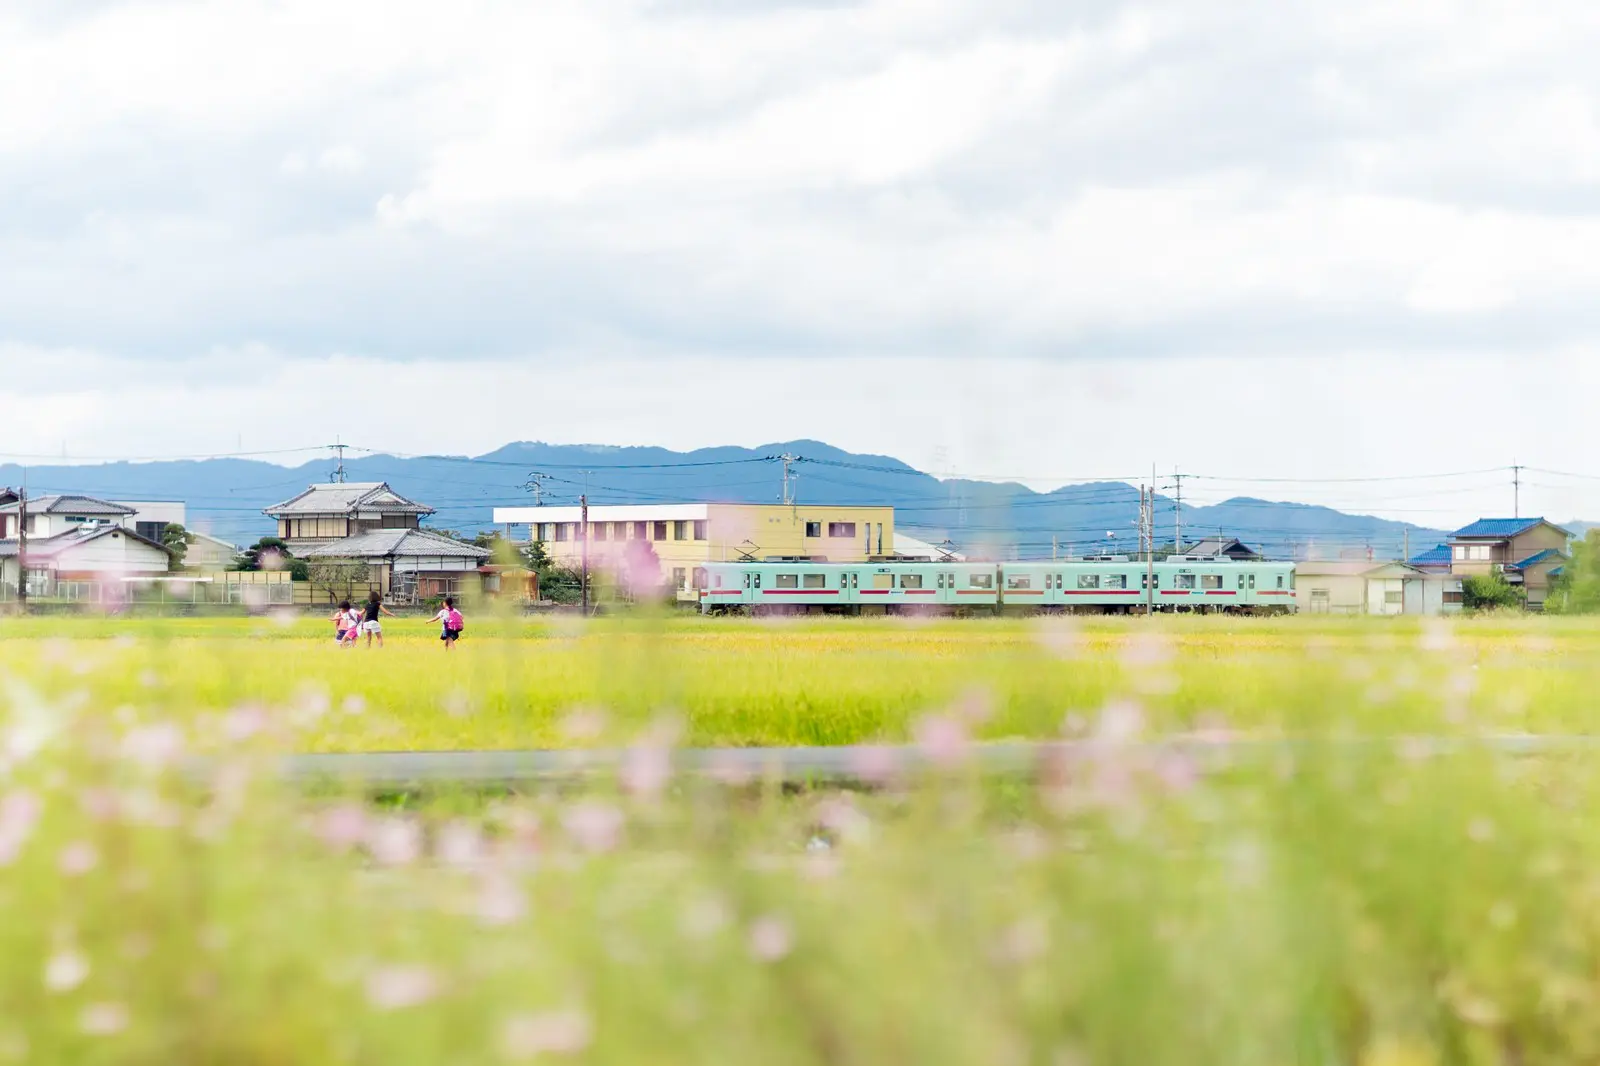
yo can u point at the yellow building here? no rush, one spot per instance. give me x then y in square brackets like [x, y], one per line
[685, 536]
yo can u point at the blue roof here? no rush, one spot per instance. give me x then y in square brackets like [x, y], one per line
[1536, 558]
[1498, 527]
[1436, 556]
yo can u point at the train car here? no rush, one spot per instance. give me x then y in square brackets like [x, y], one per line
[889, 586]
[1100, 586]
[1112, 586]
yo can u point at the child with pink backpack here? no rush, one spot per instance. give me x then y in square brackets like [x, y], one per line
[451, 624]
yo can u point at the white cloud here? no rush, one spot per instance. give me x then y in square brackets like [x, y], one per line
[544, 189]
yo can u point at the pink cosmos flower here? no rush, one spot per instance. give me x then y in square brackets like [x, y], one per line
[943, 740]
[65, 970]
[342, 827]
[19, 812]
[770, 939]
[556, 1032]
[242, 723]
[646, 769]
[593, 826]
[459, 843]
[78, 858]
[154, 746]
[395, 841]
[399, 987]
[875, 764]
[500, 901]
[353, 704]
[103, 1019]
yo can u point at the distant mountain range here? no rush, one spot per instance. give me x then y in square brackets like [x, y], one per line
[225, 496]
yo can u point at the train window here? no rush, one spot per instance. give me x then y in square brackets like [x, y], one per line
[1019, 581]
[1212, 582]
[815, 581]
[1116, 581]
[786, 581]
[1252, 582]
[855, 581]
[911, 581]
[716, 582]
[698, 577]
[747, 581]
[1145, 582]
[1241, 582]
[981, 581]
[1183, 581]
[1058, 581]
[1088, 581]
[939, 581]
[758, 581]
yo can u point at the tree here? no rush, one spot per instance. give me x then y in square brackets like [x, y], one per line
[176, 540]
[338, 576]
[1577, 589]
[271, 553]
[1487, 592]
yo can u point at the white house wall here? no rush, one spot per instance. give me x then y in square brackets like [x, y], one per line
[112, 554]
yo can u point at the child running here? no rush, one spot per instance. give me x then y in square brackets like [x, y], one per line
[450, 623]
[371, 625]
[345, 624]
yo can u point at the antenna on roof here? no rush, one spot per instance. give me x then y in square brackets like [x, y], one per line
[788, 477]
[337, 477]
[535, 485]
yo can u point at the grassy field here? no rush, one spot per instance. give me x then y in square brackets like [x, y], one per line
[1385, 904]
[512, 683]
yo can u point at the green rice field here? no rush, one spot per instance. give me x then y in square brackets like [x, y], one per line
[1390, 903]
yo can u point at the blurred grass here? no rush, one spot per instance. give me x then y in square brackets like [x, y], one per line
[511, 682]
[1380, 904]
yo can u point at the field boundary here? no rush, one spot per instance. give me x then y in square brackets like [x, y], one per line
[402, 770]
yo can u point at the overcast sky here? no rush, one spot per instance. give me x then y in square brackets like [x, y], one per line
[1274, 240]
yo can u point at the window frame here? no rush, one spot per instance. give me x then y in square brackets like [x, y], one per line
[813, 530]
[841, 530]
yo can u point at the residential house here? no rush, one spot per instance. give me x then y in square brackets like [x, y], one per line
[208, 553]
[323, 514]
[1221, 548]
[1526, 550]
[406, 565]
[1359, 586]
[49, 516]
[686, 536]
[1435, 560]
[89, 562]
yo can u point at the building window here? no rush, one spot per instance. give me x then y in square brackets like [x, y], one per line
[601, 529]
[680, 531]
[1211, 582]
[640, 531]
[1393, 598]
[1459, 552]
[841, 529]
[911, 581]
[1088, 581]
[1116, 581]
[1452, 596]
[786, 581]
[815, 581]
[660, 531]
[1319, 601]
[700, 530]
[813, 529]
[679, 576]
[1183, 581]
[562, 529]
[699, 577]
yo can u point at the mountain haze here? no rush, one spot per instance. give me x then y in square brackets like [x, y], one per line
[225, 496]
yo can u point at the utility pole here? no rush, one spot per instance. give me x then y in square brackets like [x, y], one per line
[1516, 491]
[337, 477]
[788, 492]
[1053, 555]
[583, 536]
[1406, 558]
[1177, 511]
[1147, 520]
[22, 548]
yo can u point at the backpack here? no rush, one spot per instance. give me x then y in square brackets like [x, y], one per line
[453, 623]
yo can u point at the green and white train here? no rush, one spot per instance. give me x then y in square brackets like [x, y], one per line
[1086, 586]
